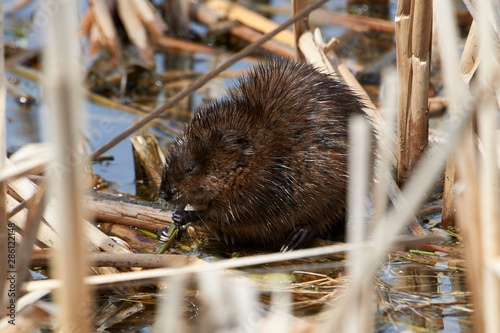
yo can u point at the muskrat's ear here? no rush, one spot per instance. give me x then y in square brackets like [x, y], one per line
[233, 141]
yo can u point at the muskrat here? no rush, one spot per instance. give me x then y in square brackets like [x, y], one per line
[267, 165]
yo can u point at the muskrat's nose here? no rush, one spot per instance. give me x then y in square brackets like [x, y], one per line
[168, 194]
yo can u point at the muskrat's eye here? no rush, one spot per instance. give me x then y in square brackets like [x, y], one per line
[190, 169]
[241, 141]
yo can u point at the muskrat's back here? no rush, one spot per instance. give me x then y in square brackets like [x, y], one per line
[268, 164]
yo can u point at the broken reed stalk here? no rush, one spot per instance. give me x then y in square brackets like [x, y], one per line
[202, 80]
[414, 81]
[418, 135]
[3, 189]
[403, 50]
[63, 86]
[148, 159]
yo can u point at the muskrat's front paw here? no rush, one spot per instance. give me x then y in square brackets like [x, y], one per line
[183, 217]
[178, 217]
[162, 234]
[298, 238]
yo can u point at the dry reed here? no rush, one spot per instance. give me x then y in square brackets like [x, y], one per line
[413, 34]
[300, 27]
[62, 83]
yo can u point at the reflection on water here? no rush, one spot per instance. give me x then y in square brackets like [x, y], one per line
[423, 298]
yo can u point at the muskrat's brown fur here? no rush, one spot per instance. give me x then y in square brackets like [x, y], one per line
[268, 164]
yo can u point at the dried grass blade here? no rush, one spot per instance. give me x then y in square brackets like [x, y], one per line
[187, 46]
[135, 29]
[45, 234]
[470, 60]
[86, 23]
[102, 18]
[24, 168]
[95, 40]
[35, 207]
[149, 16]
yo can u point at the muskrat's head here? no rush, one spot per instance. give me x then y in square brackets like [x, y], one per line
[208, 162]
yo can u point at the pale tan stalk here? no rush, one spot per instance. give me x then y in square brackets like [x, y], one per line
[467, 214]
[468, 65]
[62, 87]
[187, 268]
[477, 203]
[170, 316]
[487, 123]
[359, 316]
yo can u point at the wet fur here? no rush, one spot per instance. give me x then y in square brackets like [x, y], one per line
[269, 159]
